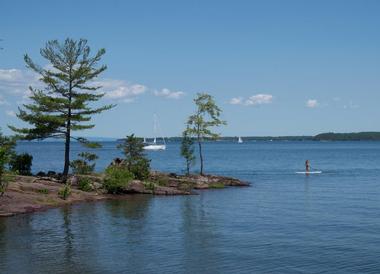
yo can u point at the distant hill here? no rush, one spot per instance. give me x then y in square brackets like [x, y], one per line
[355, 136]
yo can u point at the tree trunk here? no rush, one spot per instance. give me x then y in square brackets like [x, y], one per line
[67, 157]
[200, 154]
[68, 138]
[187, 167]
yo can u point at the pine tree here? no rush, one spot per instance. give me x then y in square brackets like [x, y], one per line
[206, 117]
[63, 106]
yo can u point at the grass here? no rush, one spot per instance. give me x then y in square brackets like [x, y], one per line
[43, 191]
[217, 185]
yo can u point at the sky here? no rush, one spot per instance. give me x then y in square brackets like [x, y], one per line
[274, 67]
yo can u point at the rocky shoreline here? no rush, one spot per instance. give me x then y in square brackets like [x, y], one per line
[27, 194]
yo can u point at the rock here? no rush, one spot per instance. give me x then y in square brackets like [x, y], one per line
[73, 180]
[136, 186]
[163, 190]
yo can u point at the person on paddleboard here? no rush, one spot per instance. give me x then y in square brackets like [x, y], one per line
[307, 165]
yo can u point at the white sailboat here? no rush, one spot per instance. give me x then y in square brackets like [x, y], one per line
[154, 145]
[240, 140]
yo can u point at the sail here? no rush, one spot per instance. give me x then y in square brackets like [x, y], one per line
[157, 130]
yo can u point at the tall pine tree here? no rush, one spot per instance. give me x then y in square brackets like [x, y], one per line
[63, 106]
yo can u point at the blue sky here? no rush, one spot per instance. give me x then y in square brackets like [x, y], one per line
[274, 67]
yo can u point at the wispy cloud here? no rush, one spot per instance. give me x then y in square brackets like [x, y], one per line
[120, 90]
[312, 103]
[3, 101]
[254, 100]
[350, 105]
[10, 113]
[166, 93]
[16, 81]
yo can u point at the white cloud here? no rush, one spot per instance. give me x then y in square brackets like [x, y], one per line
[312, 103]
[3, 101]
[17, 82]
[254, 100]
[236, 101]
[10, 113]
[120, 90]
[169, 94]
[350, 105]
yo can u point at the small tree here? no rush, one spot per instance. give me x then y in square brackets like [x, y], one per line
[187, 150]
[206, 117]
[63, 105]
[7, 145]
[21, 164]
[83, 165]
[135, 159]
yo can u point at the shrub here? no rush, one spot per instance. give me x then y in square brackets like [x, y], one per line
[43, 191]
[65, 192]
[6, 151]
[117, 177]
[21, 163]
[149, 185]
[83, 166]
[84, 184]
[135, 159]
[216, 185]
[162, 180]
[140, 169]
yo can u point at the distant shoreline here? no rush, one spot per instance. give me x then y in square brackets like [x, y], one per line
[330, 136]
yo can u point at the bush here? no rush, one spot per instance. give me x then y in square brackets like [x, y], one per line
[43, 191]
[21, 164]
[7, 145]
[140, 169]
[117, 177]
[162, 180]
[65, 192]
[135, 159]
[150, 185]
[84, 184]
[83, 166]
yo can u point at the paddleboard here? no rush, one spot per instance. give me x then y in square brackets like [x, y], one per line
[309, 172]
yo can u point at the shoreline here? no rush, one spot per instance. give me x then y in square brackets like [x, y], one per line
[28, 194]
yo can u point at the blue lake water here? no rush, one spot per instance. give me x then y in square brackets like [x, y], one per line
[284, 223]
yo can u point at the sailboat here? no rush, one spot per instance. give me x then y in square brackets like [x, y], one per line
[154, 145]
[240, 140]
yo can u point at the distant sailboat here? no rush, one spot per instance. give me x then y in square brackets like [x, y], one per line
[240, 140]
[154, 145]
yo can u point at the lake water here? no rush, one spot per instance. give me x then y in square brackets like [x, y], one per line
[284, 223]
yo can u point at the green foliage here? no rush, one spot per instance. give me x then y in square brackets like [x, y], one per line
[187, 150]
[83, 165]
[84, 184]
[7, 145]
[162, 180]
[150, 185]
[216, 185]
[64, 192]
[117, 178]
[135, 159]
[21, 164]
[43, 191]
[205, 118]
[63, 105]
